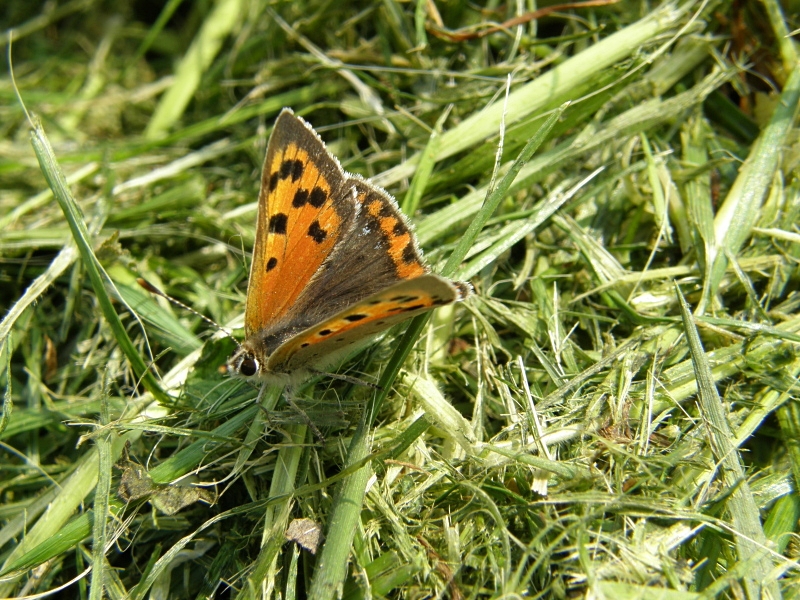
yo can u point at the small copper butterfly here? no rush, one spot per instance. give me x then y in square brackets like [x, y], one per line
[335, 262]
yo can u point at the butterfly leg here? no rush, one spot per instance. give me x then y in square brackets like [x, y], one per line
[288, 394]
[260, 403]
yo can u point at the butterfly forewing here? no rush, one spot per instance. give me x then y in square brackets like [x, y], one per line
[368, 317]
[305, 206]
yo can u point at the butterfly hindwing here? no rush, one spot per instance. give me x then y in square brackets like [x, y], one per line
[305, 206]
[368, 317]
[382, 217]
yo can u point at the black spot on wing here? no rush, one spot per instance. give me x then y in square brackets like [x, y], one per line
[300, 198]
[291, 168]
[409, 254]
[317, 233]
[317, 197]
[386, 210]
[277, 223]
[272, 263]
[354, 318]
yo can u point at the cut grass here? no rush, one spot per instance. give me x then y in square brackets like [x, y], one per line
[576, 428]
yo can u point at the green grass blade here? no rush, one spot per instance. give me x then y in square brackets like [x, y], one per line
[555, 82]
[745, 518]
[65, 258]
[343, 523]
[56, 181]
[101, 509]
[66, 537]
[783, 37]
[739, 212]
[72, 494]
[217, 26]
[549, 438]
[347, 507]
[163, 18]
[422, 175]
[497, 194]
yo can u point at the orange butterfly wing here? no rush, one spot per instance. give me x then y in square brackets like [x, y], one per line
[325, 341]
[304, 207]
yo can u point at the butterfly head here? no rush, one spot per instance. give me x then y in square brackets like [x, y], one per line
[251, 361]
[244, 363]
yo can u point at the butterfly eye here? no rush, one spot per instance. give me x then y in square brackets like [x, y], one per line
[248, 366]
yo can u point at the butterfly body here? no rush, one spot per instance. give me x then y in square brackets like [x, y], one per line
[335, 263]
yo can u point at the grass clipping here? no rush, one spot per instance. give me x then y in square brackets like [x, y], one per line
[613, 414]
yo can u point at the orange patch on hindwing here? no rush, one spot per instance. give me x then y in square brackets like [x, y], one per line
[402, 247]
[380, 311]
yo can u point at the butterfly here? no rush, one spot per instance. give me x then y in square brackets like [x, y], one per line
[335, 262]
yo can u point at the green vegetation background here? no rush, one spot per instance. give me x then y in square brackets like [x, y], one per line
[613, 414]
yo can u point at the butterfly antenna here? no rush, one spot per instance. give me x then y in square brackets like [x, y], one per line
[154, 290]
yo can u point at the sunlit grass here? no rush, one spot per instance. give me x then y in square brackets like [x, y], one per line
[613, 414]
